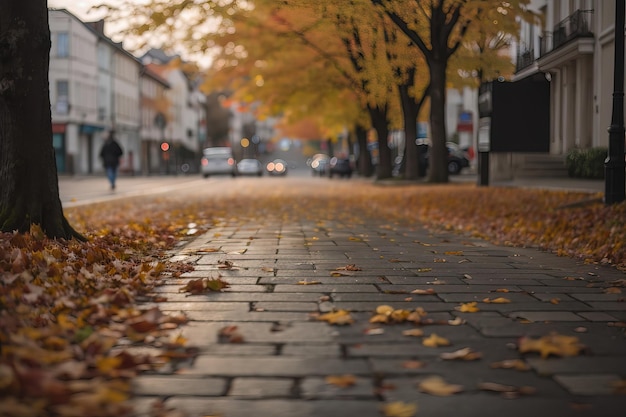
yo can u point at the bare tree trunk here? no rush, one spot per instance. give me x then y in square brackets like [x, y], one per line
[381, 125]
[365, 157]
[438, 169]
[29, 189]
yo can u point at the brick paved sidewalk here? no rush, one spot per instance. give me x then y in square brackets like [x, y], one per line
[280, 369]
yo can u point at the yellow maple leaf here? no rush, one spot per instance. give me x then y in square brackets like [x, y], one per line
[379, 318]
[435, 341]
[343, 381]
[499, 300]
[384, 309]
[468, 307]
[435, 385]
[399, 409]
[552, 344]
[339, 317]
[107, 364]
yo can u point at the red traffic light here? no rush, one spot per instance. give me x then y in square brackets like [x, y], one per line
[165, 146]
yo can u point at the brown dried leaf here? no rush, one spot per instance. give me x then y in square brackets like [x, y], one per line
[517, 364]
[466, 354]
[429, 291]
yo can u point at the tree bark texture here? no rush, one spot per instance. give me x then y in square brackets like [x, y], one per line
[380, 123]
[29, 189]
[365, 157]
[438, 168]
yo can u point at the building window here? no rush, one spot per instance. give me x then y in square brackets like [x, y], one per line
[63, 45]
[63, 97]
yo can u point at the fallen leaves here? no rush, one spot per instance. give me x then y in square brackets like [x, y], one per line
[341, 381]
[435, 385]
[387, 314]
[72, 304]
[339, 317]
[230, 334]
[553, 344]
[435, 341]
[517, 364]
[204, 285]
[399, 409]
[498, 300]
[468, 307]
[507, 391]
[465, 354]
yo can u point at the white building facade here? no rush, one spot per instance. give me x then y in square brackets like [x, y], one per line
[575, 51]
[73, 88]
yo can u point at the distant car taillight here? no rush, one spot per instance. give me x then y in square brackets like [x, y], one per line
[231, 161]
[204, 161]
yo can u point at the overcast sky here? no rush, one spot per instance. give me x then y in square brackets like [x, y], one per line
[77, 7]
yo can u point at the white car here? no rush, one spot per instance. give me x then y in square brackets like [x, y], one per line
[218, 161]
[250, 166]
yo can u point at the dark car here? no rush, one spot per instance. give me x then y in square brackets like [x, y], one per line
[277, 167]
[457, 158]
[318, 164]
[340, 166]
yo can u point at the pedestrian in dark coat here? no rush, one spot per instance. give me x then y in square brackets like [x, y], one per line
[110, 153]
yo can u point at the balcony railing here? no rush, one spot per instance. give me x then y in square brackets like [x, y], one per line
[574, 26]
[524, 59]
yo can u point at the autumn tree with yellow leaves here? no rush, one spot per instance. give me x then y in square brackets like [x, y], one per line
[359, 63]
[438, 29]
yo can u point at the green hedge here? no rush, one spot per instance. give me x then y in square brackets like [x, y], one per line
[586, 163]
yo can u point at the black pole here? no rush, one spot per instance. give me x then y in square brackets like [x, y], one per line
[614, 166]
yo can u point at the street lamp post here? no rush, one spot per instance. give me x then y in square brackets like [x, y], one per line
[614, 166]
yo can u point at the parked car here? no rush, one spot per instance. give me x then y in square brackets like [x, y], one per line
[318, 164]
[340, 166]
[457, 158]
[218, 161]
[249, 166]
[277, 167]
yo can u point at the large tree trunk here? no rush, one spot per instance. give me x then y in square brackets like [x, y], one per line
[410, 111]
[29, 189]
[381, 125]
[438, 165]
[364, 163]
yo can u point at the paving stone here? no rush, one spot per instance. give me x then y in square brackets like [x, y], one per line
[338, 287]
[597, 316]
[286, 306]
[608, 306]
[319, 388]
[185, 306]
[545, 315]
[311, 350]
[603, 384]
[178, 385]
[261, 387]
[274, 366]
[245, 316]
[578, 365]
[200, 407]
